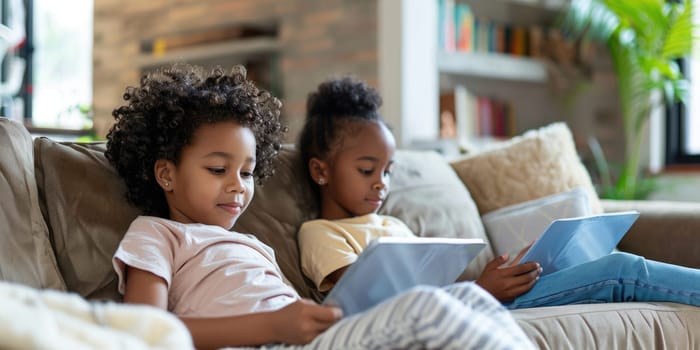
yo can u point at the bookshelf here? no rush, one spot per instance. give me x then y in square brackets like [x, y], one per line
[493, 75]
[415, 71]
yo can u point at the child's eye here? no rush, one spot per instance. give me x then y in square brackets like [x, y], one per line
[366, 171]
[388, 170]
[247, 174]
[217, 171]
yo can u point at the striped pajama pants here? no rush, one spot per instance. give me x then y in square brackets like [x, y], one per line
[459, 316]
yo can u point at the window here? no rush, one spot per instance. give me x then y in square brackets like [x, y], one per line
[46, 76]
[683, 120]
[61, 90]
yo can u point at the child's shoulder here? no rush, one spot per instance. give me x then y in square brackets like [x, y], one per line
[154, 222]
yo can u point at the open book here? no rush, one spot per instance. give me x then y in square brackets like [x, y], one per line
[391, 265]
[572, 241]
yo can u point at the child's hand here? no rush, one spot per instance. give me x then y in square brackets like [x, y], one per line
[521, 254]
[300, 322]
[506, 283]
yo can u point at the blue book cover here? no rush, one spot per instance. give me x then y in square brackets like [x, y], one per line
[572, 241]
[391, 265]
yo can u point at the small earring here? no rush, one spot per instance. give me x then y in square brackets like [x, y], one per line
[321, 181]
[167, 184]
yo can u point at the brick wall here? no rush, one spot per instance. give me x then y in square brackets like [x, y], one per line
[318, 38]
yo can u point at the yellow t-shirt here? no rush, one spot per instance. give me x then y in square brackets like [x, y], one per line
[326, 245]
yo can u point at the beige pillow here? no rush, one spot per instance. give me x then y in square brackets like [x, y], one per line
[538, 163]
[427, 195]
[26, 255]
[85, 205]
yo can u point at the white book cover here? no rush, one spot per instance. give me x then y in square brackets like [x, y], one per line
[391, 265]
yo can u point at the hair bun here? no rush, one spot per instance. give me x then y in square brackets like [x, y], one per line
[343, 97]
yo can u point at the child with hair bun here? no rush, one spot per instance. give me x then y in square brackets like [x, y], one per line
[348, 153]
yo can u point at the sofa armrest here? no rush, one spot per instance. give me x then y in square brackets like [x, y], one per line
[665, 231]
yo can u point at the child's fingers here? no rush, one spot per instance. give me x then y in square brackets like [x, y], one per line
[497, 262]
[523, 268]
[520, 255]
[328, 314]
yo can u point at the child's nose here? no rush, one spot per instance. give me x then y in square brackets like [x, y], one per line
[235, 185]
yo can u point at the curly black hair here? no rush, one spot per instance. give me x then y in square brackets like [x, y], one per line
[335, 104]
[161, 115]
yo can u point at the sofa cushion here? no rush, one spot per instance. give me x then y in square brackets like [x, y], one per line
[85, 205]
[631, 325]
[25, 251]
[538, 163]
[429, 197]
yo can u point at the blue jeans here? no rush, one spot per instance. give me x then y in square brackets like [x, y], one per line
[616, 277]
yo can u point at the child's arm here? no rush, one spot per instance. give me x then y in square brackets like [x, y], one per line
[506, 283]
[297, 323]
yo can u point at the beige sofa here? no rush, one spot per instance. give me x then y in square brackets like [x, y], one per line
[63, 214]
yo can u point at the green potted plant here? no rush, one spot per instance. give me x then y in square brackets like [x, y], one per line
[645, 39]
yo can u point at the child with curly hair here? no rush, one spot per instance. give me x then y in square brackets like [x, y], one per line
[190, 148]
[348, 152]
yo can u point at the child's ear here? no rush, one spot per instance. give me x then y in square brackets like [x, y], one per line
[163, 169]
[318, 170]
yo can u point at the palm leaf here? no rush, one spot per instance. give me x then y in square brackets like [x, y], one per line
[679, 41]
[591, 19]
[644, 17]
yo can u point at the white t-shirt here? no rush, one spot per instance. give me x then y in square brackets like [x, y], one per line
[209, 271]
[328, 245]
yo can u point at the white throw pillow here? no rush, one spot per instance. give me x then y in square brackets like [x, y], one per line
[513, 227]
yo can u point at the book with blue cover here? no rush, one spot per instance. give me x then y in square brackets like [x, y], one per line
[391, 265]
[572, 241]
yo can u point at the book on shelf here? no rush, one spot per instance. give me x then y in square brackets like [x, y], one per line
[462, 30]
[475, 116]
[447, 31]
[572, 241]
[391, 265]
[464, 27]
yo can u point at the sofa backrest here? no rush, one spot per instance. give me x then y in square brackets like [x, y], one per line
[26, 255]
[85, 212]
[84, 204]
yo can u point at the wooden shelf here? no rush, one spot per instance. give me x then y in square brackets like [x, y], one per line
[210, 51]
[492, 66]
